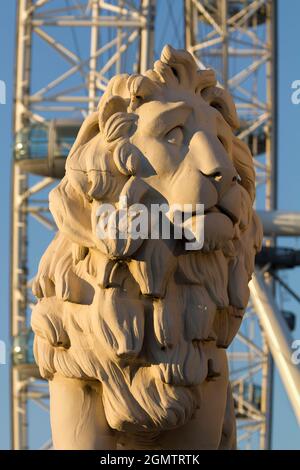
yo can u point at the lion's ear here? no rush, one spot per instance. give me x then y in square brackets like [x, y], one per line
[108, 107]
[114, 120]
[96, 122]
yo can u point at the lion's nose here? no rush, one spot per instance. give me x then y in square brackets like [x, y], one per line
[222, 178]
[213, 161]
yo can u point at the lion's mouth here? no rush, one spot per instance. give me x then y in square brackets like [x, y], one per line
[221, 210]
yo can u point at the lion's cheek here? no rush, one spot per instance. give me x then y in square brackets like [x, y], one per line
[218, 230]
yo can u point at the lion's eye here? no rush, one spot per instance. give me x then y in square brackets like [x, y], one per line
[175, 136]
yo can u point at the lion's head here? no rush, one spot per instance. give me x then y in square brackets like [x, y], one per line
[144, 316]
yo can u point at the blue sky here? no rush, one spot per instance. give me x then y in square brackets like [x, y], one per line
[286, 433]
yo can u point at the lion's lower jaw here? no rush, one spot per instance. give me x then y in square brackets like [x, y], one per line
[147, 404]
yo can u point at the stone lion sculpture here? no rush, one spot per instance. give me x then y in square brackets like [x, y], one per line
[131, 332]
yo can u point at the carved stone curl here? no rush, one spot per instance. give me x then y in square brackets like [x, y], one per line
[131, 332]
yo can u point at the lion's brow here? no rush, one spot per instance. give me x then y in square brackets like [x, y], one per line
[173, 113]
